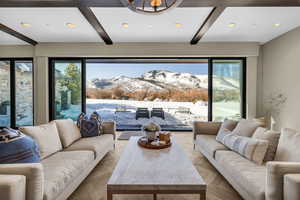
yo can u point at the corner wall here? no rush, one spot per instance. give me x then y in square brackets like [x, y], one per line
[42, 52]
[281, 74]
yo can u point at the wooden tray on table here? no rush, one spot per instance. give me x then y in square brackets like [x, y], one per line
[148, 145]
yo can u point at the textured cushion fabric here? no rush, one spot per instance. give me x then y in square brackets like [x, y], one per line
[209, 144]
[288, 146]
[61, 169]
[228, 125]
[34, 178]
[250, 176]
[252, 149]
[222, 135]
[90, 125]
[291, 187]
[99, 145]
[15, 147]
[12, 187]
[46, 136]
[275, 177]
[272, 137]
[245, 127]
[68, 131]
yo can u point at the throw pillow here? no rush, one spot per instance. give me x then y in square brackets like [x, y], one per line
[15, 147]
[46, 136]
[272, 137]
[245, 127]
[250, 148]
[222, 134]
[226, 127]
[288, 146]
[90, 126]
[68, 131]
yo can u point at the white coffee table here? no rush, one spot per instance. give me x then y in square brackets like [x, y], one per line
[143, 171]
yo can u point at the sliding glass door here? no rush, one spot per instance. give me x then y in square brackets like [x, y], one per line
[16, 89]
[5, 93]
[67, 91]
[184, 89]
[228, 89]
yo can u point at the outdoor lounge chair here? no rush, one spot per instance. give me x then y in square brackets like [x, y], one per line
[158, 112]
[142, 113]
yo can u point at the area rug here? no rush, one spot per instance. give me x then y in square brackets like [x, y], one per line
[127, 134]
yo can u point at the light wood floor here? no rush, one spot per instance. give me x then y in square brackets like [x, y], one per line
[94, 186]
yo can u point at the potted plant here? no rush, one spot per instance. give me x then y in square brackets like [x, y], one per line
[150, 130]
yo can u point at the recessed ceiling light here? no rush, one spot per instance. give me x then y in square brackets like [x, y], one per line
[25, 24]
[231, 25]
[276, 25]
[125, 25]
[178, 25]
[70, 25]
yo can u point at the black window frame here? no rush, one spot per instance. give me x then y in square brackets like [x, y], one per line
[145, 60]
[13, 120]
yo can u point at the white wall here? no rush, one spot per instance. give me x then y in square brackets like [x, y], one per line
[281, 74]
[42, 52]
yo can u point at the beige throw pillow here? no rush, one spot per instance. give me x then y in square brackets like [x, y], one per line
[68, 131]
[250, 148]
[46, 136]
[245, 127]
[288, 146]
[272, 137]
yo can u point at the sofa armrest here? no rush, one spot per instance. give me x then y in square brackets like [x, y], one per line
[291, 186]
[206, 128]
[34, 177]
[275, 178]
[12, 187]
[109, 128]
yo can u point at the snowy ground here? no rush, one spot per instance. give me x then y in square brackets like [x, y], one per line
[107, 110]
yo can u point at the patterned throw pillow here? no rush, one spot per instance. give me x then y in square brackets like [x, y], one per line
[90, 126]
[250, 148]
[226, 127]
[15, 147]
[272, 137]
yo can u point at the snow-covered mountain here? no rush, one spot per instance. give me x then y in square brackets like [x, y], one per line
[157, 80]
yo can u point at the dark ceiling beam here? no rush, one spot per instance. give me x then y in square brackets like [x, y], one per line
[209, 21]
[17, 35]
[117, 3]
[92, 19]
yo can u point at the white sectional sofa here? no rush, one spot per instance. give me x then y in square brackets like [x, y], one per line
[275, 180]
[59, 174]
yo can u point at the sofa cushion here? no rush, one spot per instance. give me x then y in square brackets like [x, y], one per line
[251, 148]
[288, 146]
[61, 168]
[228, 125]
[246, 127]
[209, 144]
[46, 136]
[250, 176]
[68, 131]
[99, 144]
[272, 137]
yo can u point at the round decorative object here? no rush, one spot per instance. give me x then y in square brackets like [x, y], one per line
[143, 142]
[151, 6]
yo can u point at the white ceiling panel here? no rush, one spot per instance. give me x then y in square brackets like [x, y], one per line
[49, 24]
[253, 24]
[151, 28]
[6, 39]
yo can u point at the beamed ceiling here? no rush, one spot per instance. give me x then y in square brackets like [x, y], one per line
[101, 21]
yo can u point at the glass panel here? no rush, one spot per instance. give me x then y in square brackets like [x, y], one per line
[178, 90]
[227, 89]
[24, 93]
[5, 93]
[67, 89]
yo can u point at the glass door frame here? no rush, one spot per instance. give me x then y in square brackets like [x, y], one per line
[84, 60]
[12, 72]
